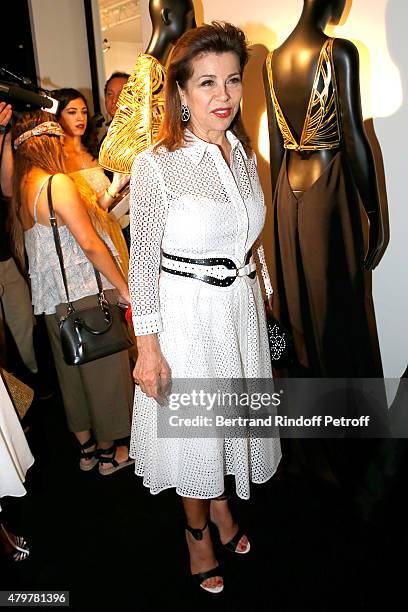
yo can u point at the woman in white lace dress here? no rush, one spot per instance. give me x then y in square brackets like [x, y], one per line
[197, 209]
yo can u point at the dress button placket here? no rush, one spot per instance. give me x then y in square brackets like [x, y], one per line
[231, 184]
[240, 250]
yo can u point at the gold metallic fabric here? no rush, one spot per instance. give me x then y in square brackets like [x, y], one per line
[138, 118]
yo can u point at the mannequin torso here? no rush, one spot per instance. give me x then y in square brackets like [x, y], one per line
[294, 74]
[294, 66]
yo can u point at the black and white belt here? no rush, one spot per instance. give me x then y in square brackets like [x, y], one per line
[218, 271]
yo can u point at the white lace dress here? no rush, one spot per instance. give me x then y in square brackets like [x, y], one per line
[189, 203]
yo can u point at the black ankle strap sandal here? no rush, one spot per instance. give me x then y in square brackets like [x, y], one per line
[107, 451]
[84, 454]
[91, 456]
[115, 465]
[201, 577]
[233, 543]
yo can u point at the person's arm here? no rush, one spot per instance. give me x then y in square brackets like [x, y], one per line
[148, 214]
[71, 211]
[356, 144]
[106, 198]
[6, 170]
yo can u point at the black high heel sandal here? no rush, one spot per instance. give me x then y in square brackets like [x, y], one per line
[21, 550]
[201, 577]
[84, 454]
[231, 546]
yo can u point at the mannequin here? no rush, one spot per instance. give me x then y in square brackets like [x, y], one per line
[143, 95]
[322, 167]
[170, 19]
[319, 247]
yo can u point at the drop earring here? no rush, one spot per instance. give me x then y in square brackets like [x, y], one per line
[185, 113]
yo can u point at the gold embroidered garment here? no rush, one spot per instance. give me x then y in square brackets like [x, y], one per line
[138, 118]
[321, 129]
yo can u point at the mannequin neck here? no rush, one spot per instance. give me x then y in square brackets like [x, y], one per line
[159, 46]
[314, 18]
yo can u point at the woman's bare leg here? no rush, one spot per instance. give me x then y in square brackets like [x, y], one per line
[220, 514]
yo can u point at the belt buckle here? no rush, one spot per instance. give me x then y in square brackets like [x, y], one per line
[238, 270]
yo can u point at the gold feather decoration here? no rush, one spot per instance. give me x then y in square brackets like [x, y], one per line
[138, 117]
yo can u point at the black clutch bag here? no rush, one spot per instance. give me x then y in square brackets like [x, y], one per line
[91, 333]
[280, 343]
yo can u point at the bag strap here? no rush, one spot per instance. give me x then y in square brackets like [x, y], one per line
[99, 283]
[57, 241]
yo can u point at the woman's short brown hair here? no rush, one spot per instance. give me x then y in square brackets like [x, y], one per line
[217, 37]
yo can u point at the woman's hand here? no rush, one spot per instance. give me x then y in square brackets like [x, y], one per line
[6, 170]
[124, 296]
[119, 180]
[106, 198]
[152, 372]
[5, 113]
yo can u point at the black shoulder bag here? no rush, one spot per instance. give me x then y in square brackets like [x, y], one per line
[95, 332]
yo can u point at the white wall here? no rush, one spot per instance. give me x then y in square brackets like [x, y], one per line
[121, 57]
[60, 43]
[145, 23]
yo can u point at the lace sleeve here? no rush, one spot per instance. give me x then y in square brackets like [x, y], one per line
[148, 213]
[264, 269]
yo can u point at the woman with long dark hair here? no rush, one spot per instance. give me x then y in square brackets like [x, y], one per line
[81, 162]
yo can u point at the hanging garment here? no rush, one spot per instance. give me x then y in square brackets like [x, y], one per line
[15, 454]
[138, 118]
[319, 250]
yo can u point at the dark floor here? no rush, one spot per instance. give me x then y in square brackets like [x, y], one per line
[116, 547]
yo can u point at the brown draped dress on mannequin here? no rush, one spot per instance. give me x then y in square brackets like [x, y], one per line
[319, 246]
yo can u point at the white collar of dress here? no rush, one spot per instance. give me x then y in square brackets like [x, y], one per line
[195, 147]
